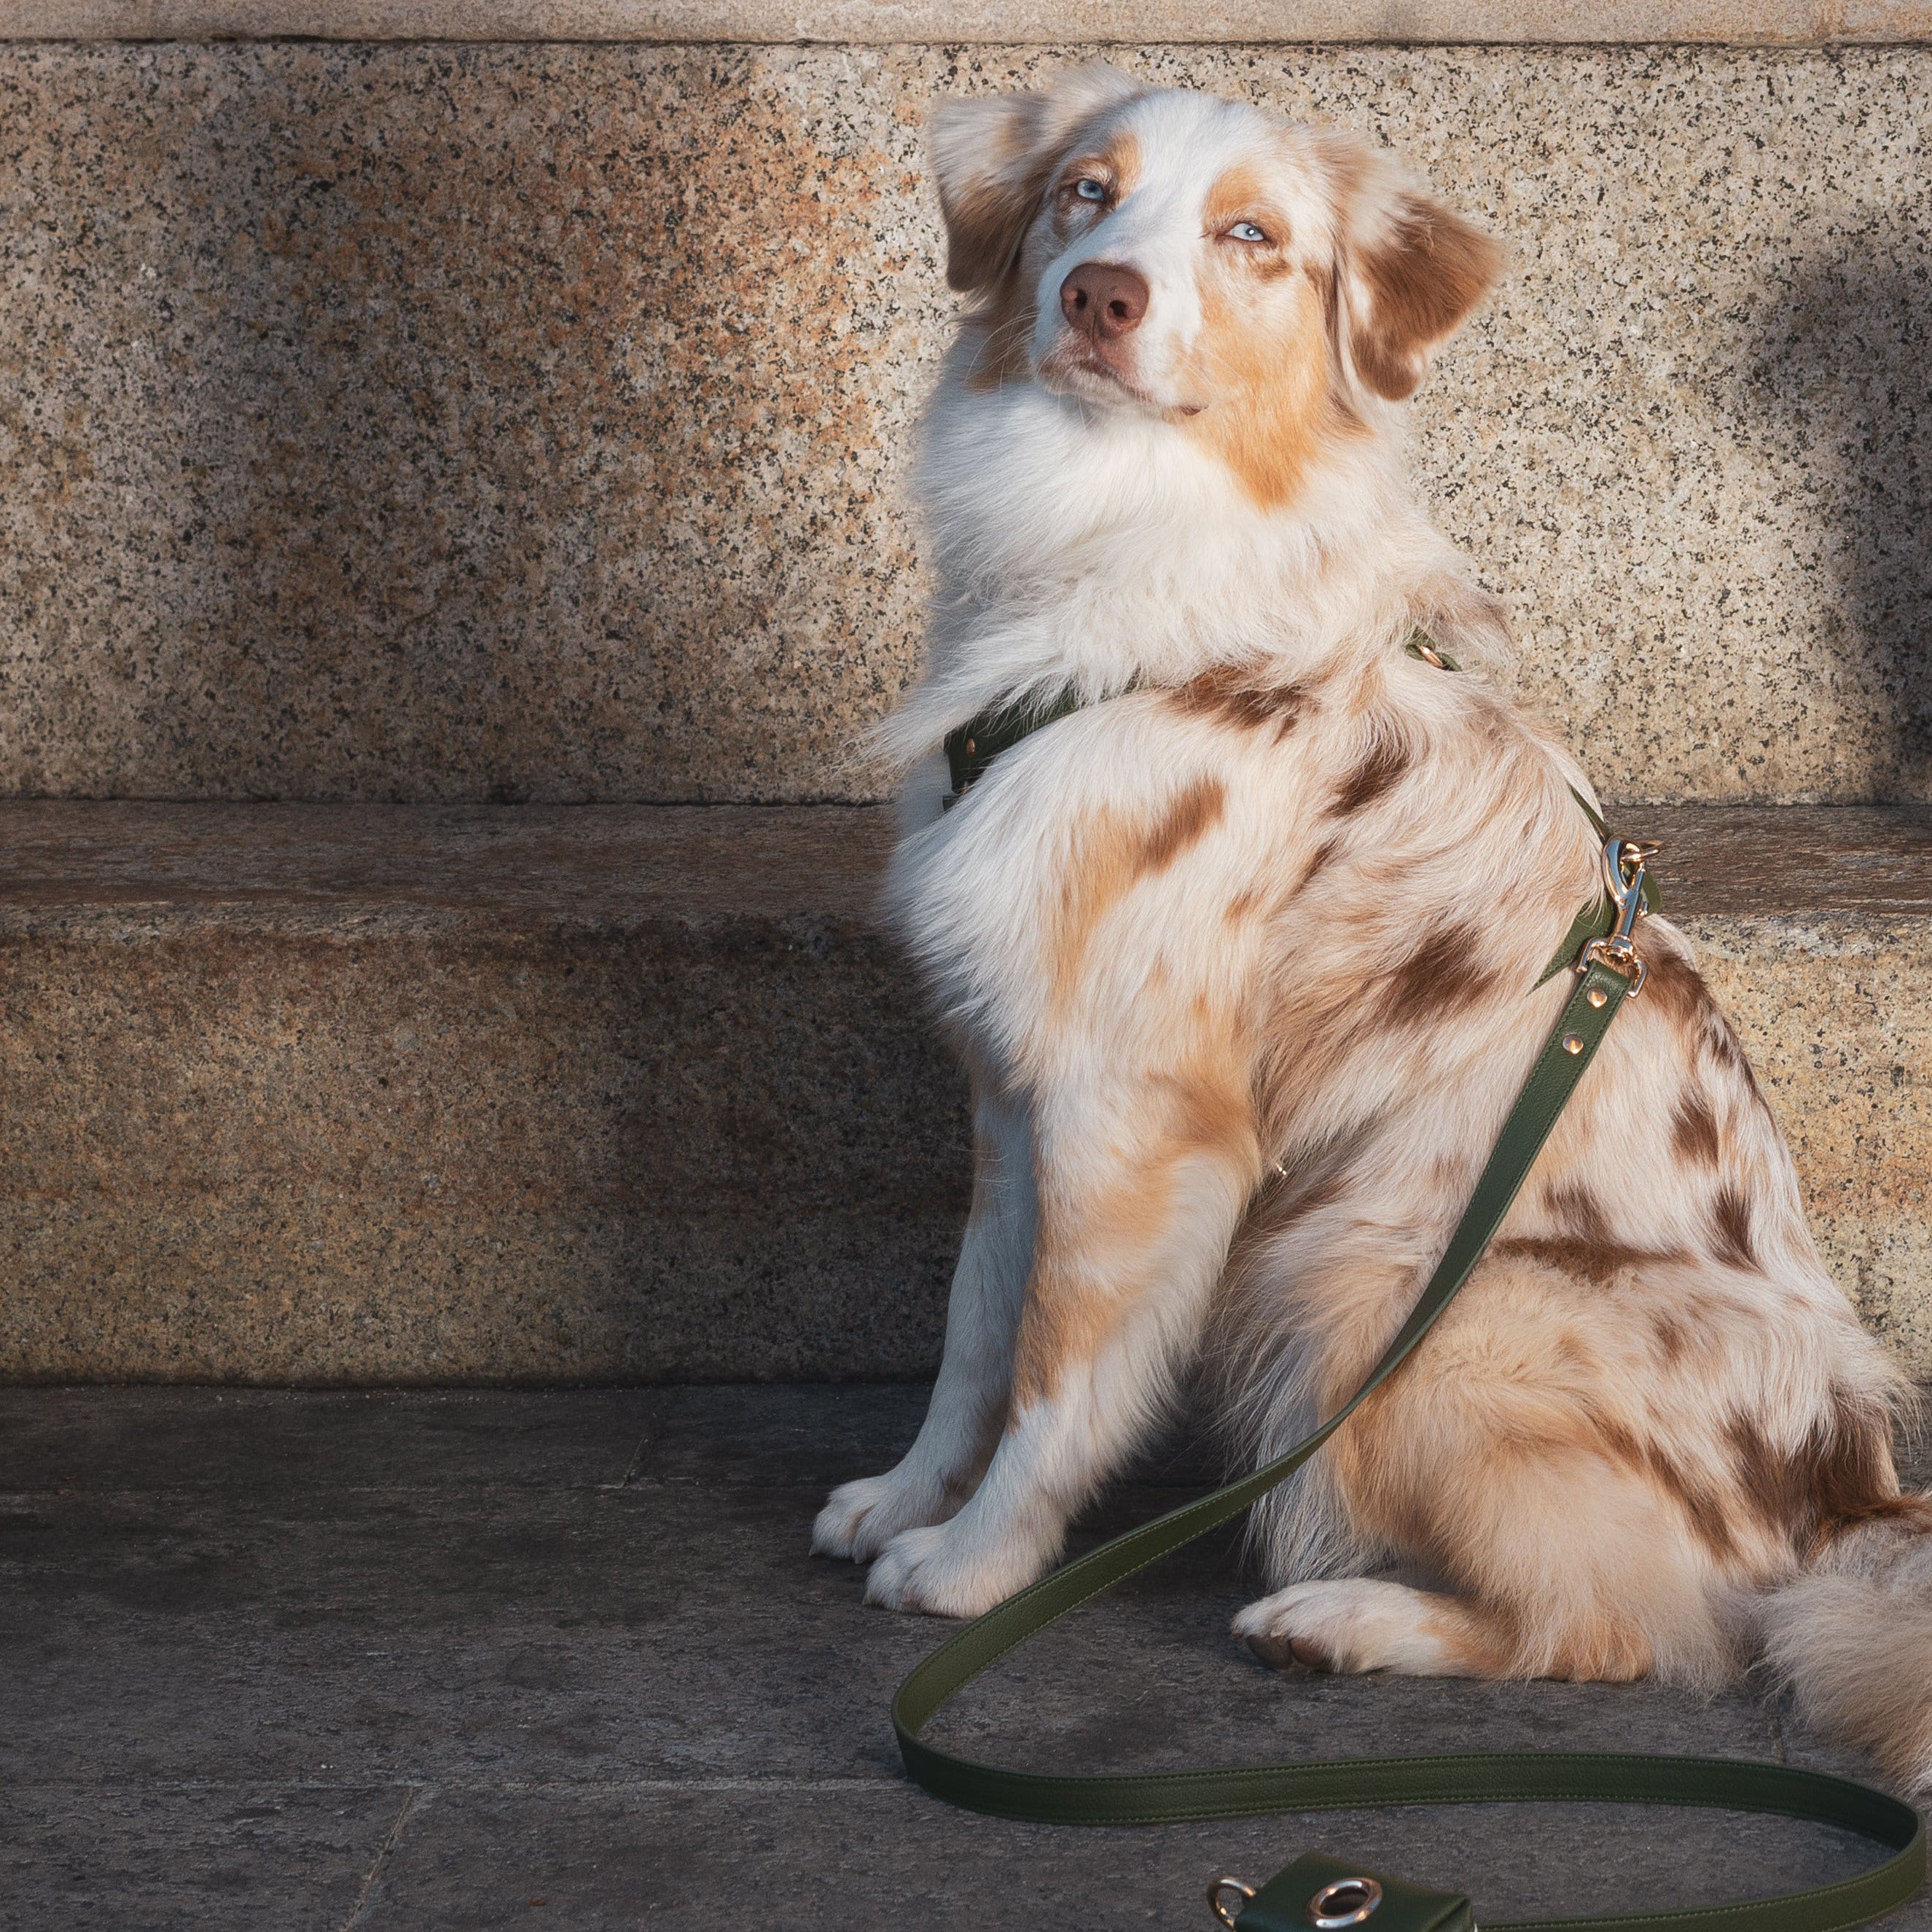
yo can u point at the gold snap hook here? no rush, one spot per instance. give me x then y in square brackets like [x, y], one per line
[1219, 1906]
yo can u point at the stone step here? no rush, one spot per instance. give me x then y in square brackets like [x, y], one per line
[407, 1094]
[531, 422]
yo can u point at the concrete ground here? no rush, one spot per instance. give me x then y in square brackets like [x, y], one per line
[457, 1660]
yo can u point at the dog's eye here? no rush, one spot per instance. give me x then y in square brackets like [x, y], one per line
[1088, 189]
[1247, 231]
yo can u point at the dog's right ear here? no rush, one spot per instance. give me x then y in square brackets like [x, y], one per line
[993, 155]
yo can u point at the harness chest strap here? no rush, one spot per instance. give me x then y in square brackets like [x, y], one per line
[1325, 1894]
[973, 746]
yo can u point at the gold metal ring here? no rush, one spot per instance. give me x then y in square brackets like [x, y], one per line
[1219, 1906]
[1346, 1902]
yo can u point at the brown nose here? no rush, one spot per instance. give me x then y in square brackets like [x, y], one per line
[1103, 300]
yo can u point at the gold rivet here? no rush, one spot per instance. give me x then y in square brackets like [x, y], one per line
[1573, 1043]
[1596, 996]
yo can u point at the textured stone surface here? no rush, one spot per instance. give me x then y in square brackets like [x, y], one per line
[397, 1094]
[493, 1118]
[380, 1674]
[1834, 1014]
[419, 422]
[884, 21]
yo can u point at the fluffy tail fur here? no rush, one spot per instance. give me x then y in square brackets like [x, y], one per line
[1852, 1638]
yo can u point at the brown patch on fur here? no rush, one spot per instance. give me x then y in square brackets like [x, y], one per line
[984, 222]
[1574, 1204]
[1110, 856]
[1680, 990]
[1694, 1132]
[1324, 854]
[1232, 694]
[1302, 1198]
[1187, 820]
[1598, 1262]
[1444, 973]
[1238, 908]
[1242, 194]
[1261, 367]
[1413, 283]
[1840, 1476]
[1702, 1507]
[1731, 1229]
[1116, 161]
[1675, 984]
[1379, 773]
[1672, 1342]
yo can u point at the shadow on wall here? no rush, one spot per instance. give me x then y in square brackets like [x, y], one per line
[414, 423]
[1841, 383]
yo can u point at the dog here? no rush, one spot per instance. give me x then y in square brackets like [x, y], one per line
[1245, 952]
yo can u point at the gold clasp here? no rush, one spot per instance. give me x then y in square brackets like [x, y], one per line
[1219, 1906]
[1624, 863]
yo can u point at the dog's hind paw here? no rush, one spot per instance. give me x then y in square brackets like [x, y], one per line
[1366, 1623]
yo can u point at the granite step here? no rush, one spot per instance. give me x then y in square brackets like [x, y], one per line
[389, 1094]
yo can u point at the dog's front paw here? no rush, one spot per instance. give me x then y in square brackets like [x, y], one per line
[860, 1519]
[935, 1572]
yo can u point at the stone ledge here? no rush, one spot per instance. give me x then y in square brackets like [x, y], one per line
[290, 867]
[1007, 22]
[391, 1095]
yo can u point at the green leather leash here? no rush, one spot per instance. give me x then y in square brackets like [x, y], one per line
[1328, 1895]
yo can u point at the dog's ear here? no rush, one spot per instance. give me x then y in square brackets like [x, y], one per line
[1409, 269]
[993, 155]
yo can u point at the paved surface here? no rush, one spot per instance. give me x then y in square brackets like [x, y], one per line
[478, 1659]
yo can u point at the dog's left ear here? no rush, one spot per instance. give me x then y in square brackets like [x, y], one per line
[1410, 269]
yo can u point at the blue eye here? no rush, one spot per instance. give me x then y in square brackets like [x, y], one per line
[1090, 189]
[1247, 231]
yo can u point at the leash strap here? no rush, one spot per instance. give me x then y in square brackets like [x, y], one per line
[1316, 1892]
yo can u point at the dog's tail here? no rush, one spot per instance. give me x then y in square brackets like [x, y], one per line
[1852, 1637]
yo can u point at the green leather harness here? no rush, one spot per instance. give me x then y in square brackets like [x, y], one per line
[1327, 1893]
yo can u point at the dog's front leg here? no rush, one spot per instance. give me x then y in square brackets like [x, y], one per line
[969, 1400]
[1140, 1183]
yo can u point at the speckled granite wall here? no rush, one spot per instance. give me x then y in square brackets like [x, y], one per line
[409, 422]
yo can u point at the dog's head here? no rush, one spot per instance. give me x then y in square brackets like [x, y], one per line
[1181, 256]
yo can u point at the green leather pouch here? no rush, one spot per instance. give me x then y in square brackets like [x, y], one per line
[1321, 1894]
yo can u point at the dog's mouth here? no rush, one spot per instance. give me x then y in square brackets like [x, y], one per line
[1072, 367]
